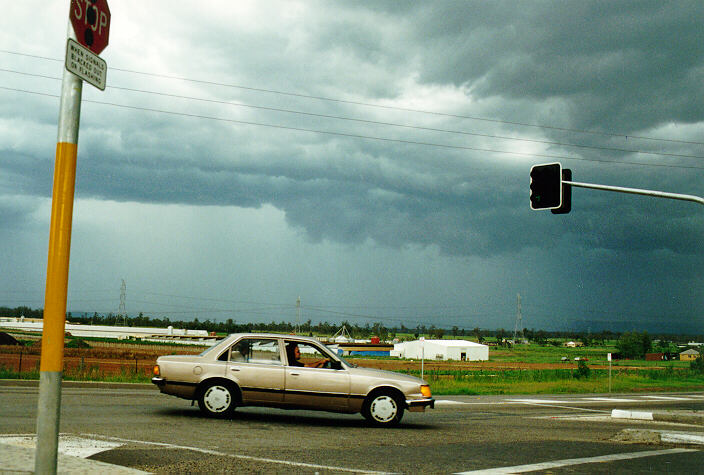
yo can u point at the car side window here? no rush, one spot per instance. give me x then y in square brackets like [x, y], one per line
[305, 354]
[255, 350]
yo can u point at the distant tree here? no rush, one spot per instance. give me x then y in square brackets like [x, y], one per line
[478, 334]
[540, 337]
[697, 366]
[582, 370]
[634, 345]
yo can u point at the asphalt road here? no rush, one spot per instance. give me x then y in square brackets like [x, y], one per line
[163, 434]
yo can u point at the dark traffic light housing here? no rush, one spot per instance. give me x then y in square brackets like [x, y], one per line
[546, 186]
[547, 190]
[566, 205]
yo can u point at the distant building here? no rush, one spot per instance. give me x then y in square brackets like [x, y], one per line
[573, 344]
[689, 355]
[460, 350]
[182, 335]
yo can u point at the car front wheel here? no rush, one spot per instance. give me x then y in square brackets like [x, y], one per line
[383, 409]
[217, 400]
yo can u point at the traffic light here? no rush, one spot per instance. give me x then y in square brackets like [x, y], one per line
[566, 205]
[546, 186]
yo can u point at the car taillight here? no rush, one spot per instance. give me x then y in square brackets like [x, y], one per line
[425, 390]
[157, 372]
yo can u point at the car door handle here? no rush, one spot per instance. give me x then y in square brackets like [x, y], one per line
[295, 374]
[234, 369]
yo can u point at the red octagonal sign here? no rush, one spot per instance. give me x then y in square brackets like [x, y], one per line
[91, 23]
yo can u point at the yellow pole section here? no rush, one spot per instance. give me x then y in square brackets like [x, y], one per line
[58, 261]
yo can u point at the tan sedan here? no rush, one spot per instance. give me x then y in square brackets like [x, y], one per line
[258, 369]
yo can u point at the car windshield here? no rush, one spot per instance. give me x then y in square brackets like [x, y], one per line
[347, 363]
[215, 345]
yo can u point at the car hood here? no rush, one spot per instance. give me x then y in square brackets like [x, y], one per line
[382, 374]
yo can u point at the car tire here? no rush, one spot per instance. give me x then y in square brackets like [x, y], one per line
[217, 399]
[383, 408]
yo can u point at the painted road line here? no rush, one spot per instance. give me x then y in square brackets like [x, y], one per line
[610, 399]
[667, 398]
[537, 401]
[546, 403]
[579, 461]
[681, 437]
[239, 456]
[448, 402]
[68, 444]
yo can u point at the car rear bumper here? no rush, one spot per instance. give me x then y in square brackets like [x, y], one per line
[176, 388]
[419, 405]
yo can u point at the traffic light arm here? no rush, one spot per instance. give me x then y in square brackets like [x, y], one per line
[636, 191]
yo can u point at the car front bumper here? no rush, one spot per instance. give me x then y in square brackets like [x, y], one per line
[419, 405]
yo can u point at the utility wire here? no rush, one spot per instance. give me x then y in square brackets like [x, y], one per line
[366, 137]
[380, 106]
[373, 122]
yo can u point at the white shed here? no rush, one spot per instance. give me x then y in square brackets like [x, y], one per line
[460, 350]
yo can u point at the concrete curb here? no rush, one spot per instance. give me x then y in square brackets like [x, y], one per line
[684, 417]
[650, 436]
[34, 383]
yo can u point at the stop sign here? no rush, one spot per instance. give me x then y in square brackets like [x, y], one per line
[91, 23]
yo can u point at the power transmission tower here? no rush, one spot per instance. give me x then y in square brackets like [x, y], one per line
[121, 313]
[518, 327]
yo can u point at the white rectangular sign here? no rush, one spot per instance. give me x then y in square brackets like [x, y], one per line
[85, 64]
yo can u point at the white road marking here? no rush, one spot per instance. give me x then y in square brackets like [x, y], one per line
[544, 403]
[448, 402]
[681, 437]
[579, 461]
[68, 444]
[610, 399]
[667, 398]
[238, 456]
[538, 401]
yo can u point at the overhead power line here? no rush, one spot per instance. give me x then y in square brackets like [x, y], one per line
[366, 137]
[379, 106]
[375, 122]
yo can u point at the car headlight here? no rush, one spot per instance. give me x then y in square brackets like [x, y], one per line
[157, 371]
[425, 390]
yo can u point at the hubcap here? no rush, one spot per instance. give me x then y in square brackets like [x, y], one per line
[383, 408]
[217, 398]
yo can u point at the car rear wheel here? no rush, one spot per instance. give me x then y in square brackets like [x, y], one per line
[217, 400]
[383, 409]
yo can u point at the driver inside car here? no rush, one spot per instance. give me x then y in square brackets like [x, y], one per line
[293, 354]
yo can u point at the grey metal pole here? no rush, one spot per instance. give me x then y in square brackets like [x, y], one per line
[636, 191]
[51, 368]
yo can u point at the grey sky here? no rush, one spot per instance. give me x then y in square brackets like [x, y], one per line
[371, 158]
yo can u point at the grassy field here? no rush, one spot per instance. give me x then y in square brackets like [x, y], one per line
[530, 369]
[549, 381]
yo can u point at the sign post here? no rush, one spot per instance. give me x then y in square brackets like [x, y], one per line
[608, 357]
[422, 355]
[52, 356]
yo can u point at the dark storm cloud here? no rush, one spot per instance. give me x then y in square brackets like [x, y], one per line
[641, 61]
[610, 66]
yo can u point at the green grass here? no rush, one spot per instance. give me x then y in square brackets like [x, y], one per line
[84, 374]
[560, 381]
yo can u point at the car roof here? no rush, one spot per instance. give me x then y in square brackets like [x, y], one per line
[273, 335]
